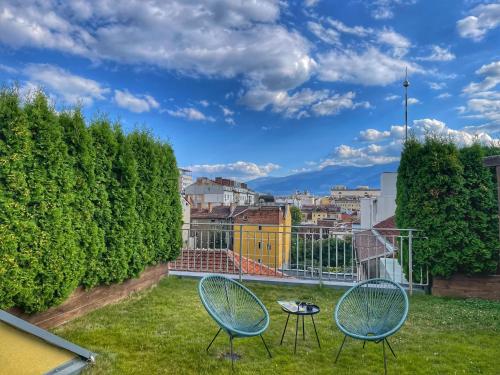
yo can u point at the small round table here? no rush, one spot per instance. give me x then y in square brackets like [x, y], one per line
[310, 310]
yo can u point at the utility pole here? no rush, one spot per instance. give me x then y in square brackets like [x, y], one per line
[406, 83]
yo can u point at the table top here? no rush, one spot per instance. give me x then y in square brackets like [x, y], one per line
[301, 308]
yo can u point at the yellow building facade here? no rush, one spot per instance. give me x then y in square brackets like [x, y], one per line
[264, 235]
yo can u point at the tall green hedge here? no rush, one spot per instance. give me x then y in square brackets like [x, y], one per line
[448, 194]
[79, 205]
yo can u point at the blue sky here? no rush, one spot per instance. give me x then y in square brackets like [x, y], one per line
[247, 89]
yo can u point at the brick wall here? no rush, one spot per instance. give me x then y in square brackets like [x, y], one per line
[485, 287]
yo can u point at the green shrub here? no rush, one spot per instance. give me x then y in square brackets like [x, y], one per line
[448, 194]
[79, 205]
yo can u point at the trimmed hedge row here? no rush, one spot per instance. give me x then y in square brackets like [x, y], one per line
[448, 193]
[79, 205]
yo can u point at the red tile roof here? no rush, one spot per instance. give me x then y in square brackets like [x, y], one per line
[220, 261]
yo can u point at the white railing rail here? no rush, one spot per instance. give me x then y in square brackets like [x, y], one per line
[301, 252]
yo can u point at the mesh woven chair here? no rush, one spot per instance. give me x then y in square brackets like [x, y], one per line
[372, 311]
[234, 308]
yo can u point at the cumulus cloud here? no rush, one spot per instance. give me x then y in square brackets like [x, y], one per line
[370, 67]
[228, 115]
[214, 39]
[438, 54]
[483, 98]
[399, 44]
[392, 97]
[190, 113]
[353, 30]
[135, 103]
[243, 170]
[491, 73]
[444, 95]
[373, 135]
[384, 146]
[437, 85]
[412, 101]
[70, 88]
[384, 9]
[327, 35]
[303, 103]
[482, 18]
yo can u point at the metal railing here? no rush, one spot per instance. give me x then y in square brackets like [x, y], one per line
[324, 254]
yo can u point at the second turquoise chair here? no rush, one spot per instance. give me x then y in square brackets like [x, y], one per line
[234, 308]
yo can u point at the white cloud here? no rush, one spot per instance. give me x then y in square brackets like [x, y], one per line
[438, 54]
[302, 103]
[240, 170]
[385, 145]
[444, 95]
[492, 78]
[325, 34]
[384, 9]
[70, 88]
[226, 111]
[311, 3]
[230, 121]
[8, 69]
[399, 44]
[190, 113]
[412, 101]
[370, 67]
[354, 30]
[209, 38]
[373, 135]
[483, 98]
[204, 103]
[437, 85]
[482, 18]
[392, 97]
[135, 103]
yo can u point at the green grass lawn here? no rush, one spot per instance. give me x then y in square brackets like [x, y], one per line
[166, 330]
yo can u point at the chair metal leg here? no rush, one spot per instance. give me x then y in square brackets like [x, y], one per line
[385, 360]
[284, 330]
[341, 346]
[296, 331]
[268, 351]
[232, 354]
[390, 347]
[303, 329]
[211, 342]
[316, 332]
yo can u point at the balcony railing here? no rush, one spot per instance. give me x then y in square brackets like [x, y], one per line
[323, 254]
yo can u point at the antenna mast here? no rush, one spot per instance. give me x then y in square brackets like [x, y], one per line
[406, 83]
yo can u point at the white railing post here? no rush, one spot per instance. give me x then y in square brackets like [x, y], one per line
[410, 261]
[320, 254]
[241, 252]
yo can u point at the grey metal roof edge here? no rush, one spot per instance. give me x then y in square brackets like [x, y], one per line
[72, 367]
[32, 329]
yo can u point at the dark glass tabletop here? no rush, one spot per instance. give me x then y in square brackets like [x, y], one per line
[300, 308]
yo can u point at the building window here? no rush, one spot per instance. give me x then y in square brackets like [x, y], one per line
[260, 227]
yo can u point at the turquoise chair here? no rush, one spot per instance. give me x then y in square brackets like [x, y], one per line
[234, 308]
[372, 311]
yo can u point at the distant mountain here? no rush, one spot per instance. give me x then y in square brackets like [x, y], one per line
[321, 181]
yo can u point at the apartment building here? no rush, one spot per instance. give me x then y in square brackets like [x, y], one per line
[206, 193]
[263, 234]
[342, 191]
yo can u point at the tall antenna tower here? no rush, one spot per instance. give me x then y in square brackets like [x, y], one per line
[406, 83]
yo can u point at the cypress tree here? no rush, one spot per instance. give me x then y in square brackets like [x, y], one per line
[89, 236]
[105, 148]
[16, 229]
[480, 253]
[435, 204]
[147, 193]
[57, 260]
